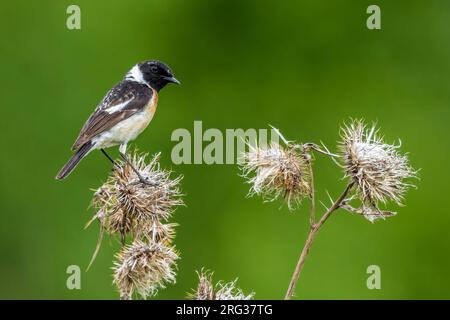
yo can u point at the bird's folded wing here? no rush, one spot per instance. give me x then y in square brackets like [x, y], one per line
[108, 114]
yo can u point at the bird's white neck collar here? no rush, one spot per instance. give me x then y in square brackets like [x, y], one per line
[135, 74]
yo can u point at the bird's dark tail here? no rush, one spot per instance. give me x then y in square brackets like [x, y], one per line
[72, 163]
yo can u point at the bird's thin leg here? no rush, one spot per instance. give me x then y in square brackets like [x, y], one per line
[141, 178]
[114, 163]
[108, 156]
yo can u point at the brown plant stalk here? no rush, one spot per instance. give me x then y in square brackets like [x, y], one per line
[377, 173]
[311, 236]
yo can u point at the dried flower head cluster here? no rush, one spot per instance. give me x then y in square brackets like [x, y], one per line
[128, 207]
[206, 290]
[275, 172]
[144, 267]
[377, 169]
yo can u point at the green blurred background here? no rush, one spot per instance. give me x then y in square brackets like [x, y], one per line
[303, 66]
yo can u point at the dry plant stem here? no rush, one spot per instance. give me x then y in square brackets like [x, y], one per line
[310, 239]
[312, 221]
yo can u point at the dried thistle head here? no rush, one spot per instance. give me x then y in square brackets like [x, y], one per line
[125, 204]
[144, 268]
[221, 291]
[144, 201]
[161, 232]
[377, 169]
[229, 291]
[275, 172]
[205, 288]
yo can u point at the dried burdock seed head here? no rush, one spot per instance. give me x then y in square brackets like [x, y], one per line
[275, 172]
[161, 232]
[221, 291]
[205, 288]
[144, 201]
[229, 291]
[376, 168]
[144, 268]
[125, 204]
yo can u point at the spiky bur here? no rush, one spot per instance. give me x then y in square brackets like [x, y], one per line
[128, 207]
[377, 169]
[144, 268]
[206, 290]
[275, 172]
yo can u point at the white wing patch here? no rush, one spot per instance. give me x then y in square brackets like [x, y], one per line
[117, 107]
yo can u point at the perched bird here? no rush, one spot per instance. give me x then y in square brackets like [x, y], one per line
[123, 114]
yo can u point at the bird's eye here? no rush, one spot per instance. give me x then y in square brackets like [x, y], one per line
[154, 69]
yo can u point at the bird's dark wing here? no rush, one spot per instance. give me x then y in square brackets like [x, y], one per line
[120, 103]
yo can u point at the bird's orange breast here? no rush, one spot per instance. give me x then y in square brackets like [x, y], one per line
[153, 104]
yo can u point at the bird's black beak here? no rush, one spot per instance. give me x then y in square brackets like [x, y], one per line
[172, 79]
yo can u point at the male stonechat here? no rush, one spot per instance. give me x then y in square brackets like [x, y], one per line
[123, 114]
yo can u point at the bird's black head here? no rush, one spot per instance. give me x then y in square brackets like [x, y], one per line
[156, 74]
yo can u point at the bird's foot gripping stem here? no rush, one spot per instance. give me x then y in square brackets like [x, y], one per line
[142, 179]
[145, 180]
